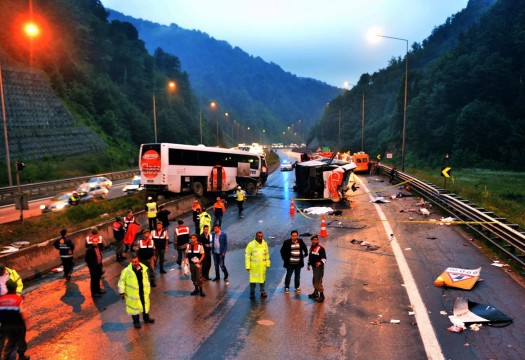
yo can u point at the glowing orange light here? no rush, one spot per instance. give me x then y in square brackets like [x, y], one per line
[31, 29]
[213, 105]
[172, 85]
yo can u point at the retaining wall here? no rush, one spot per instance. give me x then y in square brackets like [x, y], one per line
[36, 260]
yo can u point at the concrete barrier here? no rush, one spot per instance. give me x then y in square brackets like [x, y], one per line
[38, 259]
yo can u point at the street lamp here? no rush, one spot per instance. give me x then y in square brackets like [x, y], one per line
[172, 86]
[31, 30]
[405, 101]
[213, 106]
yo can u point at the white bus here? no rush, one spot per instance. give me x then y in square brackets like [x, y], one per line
[187, 168]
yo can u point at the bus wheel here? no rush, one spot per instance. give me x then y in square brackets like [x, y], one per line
[197, 188]
[250, 188]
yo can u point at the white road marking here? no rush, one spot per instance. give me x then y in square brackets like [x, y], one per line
[430, 341]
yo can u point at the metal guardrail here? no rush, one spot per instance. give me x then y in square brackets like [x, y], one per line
[508, 237]
[50, 187]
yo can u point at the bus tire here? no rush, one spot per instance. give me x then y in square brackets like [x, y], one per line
[197, 188]
[250, 188]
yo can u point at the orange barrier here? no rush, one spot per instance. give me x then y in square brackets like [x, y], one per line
[323, 232]
[292, 207]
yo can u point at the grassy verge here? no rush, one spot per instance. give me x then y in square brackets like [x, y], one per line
[501, 192]
[40, 228]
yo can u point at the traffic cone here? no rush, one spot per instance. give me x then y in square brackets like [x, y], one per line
[292, 207]
[323, 232]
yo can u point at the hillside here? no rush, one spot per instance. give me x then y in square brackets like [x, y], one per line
[465, 94]
[259, 94]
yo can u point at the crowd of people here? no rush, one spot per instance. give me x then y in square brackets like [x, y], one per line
[194, 250]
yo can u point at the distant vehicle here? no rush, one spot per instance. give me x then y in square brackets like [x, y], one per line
[58, 202]
[133, 186]
[361, 160]
[286, 166]
[61, 201]
[103, 181]
[186, 168]
[93, 190]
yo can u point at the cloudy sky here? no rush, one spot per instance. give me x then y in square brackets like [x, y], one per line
[328, 40]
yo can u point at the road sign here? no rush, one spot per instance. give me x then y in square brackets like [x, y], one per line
[446, 171]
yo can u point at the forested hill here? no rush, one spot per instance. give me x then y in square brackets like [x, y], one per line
[102, 73]
[465, 95]
[259, 94]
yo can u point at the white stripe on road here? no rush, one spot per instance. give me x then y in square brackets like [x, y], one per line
[430, 342]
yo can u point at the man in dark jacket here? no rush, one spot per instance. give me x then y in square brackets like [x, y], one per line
[317, 260]
[293, 252]
[94, 262]
[65, 247]
[205, 240]
[118, 234]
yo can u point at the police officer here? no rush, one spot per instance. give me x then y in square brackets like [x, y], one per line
[65, 247]
[160, 239]
[13, 323]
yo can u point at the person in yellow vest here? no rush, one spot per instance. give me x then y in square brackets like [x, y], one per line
[204, 219]
[240, 196]
[134, 288]
[151, 211]
[257, 260]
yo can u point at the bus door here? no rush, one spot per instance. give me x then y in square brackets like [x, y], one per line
[218, 178]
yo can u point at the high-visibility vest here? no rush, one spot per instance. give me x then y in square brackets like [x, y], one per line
[89, 239]
[152, 209]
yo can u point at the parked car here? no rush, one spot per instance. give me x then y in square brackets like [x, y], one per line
[58, 202]
[133, 186]
[103, 181]
[286, 165]
[93, 190]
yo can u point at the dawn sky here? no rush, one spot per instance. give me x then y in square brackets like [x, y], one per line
[324, 40]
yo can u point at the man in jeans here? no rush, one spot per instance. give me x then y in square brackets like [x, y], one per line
[293, 252]
[219, 246]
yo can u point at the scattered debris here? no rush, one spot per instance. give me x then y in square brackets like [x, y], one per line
[260, 221]
[379, 200]
[369, 246]
[475, 327]
[458, 278]
[318, 210]
[20, 244]
[497, 264]
[57, 269]
[408, 249]
[431, 238]
[455, 329]
[469, 312]
[375, 322]
[8, 249]
[411, 313]
[394, 321]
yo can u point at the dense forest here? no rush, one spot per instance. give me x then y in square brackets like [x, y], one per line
[103, 72]
[465, 95]
[258, 94]
[465, 87]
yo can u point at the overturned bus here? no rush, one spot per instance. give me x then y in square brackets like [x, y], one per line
[324, 178]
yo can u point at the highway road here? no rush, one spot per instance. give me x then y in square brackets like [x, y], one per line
[8, 213]
[365, 291]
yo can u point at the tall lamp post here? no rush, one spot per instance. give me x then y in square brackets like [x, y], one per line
[31, 30]
[6, 139]
[172, 86]
[213, 106]
[405, 101]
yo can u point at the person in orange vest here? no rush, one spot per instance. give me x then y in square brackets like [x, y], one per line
[218, 211]
[151, 212]
[130, 219]
[317, 260]
[146, 254]
[195, 256]
[94, 234]
[93, 260]
[14, 323]
[182, 238]
[196, 210]
[160, 239]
